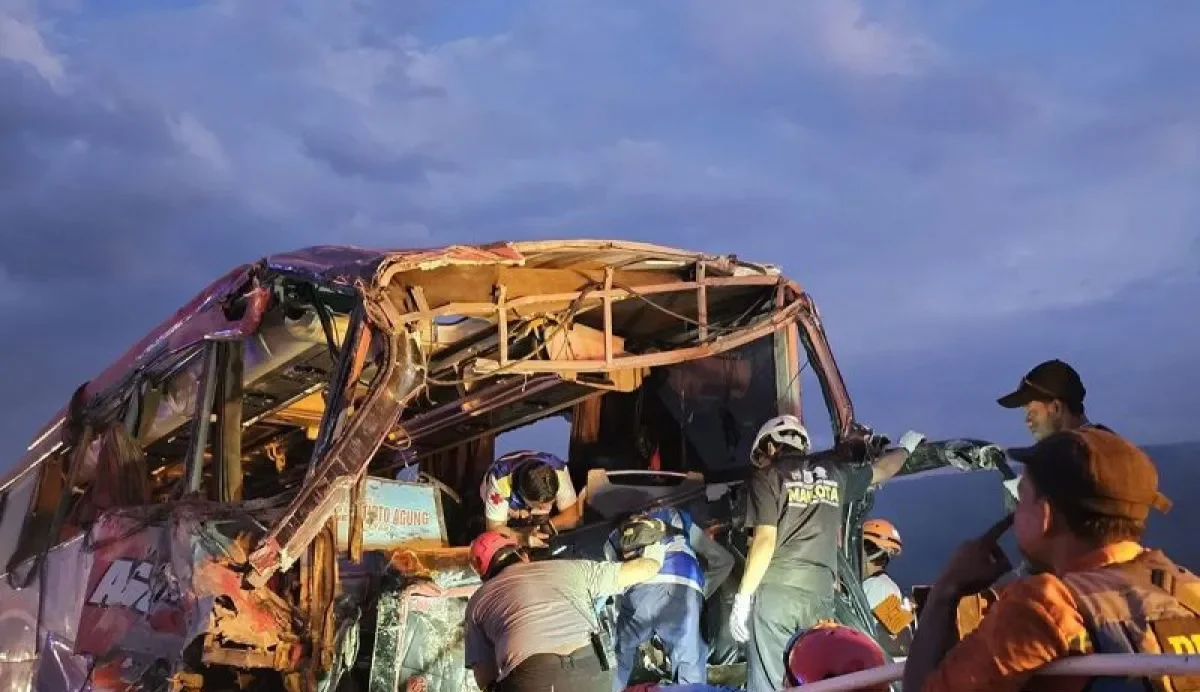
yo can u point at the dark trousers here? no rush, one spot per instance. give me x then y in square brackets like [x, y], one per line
[779, 613]
[580, 670]
[673, 612]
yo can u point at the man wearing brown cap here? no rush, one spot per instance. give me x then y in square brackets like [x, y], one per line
[1052, 395]
[1082, 509]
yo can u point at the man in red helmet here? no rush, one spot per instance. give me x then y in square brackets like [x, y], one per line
[533, 626]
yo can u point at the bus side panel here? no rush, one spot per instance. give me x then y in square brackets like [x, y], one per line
[17, 675]
[59, 667]
[67, 567]
[18, 632]
[132, 603]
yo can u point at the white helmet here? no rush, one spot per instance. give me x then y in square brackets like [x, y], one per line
[783, 430]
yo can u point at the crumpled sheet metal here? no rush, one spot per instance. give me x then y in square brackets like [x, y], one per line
[349, 265]
[58, 668]
[161, 579]
[199, 318]
[62, 581]
[203, 315]
[419, 639]
[18, 623]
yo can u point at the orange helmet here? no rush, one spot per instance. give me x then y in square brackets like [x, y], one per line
[828, 650]
[883, 534]
[486, 547]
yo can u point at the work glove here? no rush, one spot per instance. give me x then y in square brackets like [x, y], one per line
[739, 619]
[657, 552]
[911, 439]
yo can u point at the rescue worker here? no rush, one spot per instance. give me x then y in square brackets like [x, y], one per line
[669, 604]
[520, 490]
[881, 542]
[1052, 395]
[532, 626]
[1083, 504]
[794, 511]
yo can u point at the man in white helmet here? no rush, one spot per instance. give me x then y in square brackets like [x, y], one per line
[794, 511]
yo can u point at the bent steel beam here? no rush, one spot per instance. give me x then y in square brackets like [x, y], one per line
[399, 379]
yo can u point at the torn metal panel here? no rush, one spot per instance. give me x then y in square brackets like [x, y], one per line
[848, 432]
[419, 645]
[346, 462]
[163, 577]
[65, 580]
[211, 313]
[59, 669]
[18, 622]
[348, 266]
[419, 639]
[133, 601]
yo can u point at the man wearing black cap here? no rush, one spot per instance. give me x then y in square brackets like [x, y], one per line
[1082, 509]
[1052, 396]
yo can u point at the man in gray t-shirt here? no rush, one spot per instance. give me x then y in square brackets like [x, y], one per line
[530, 625]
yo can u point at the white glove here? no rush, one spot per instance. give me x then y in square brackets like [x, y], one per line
[739, 619]
[911, 439]
[656, 552]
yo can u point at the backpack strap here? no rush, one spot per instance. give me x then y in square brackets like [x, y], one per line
[1154, 571]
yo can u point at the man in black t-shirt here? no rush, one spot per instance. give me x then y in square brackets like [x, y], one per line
[795, 512]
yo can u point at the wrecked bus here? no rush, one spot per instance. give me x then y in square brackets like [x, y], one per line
[245, 499]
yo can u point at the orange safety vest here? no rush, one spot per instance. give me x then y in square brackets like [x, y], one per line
[1146, 605]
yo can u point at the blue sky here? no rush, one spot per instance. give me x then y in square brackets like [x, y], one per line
[966, 187]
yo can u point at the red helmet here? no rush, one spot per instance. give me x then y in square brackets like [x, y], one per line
[828, 650]
[486, 547]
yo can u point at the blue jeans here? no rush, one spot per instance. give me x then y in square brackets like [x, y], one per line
[672, 611]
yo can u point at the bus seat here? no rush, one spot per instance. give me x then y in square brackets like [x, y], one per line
[610, 493]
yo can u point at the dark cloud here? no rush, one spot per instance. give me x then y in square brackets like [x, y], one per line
[98, 183]
[956, 218]
[354, 157]
[1135, 358]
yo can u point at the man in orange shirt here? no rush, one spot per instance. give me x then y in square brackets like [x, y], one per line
[1081, 510]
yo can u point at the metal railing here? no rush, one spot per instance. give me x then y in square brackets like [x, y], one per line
[1120, 665]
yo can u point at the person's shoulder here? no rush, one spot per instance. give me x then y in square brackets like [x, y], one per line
[788, 462]
[1035, 591]
[497, 468]
[886, 580]
[572, 564]
[766, 473]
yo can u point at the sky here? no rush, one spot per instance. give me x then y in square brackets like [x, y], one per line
[965, 187]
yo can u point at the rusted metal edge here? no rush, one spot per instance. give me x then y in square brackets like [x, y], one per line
[589, 295]
[347, 460]
[721, 344]
[529, 418]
